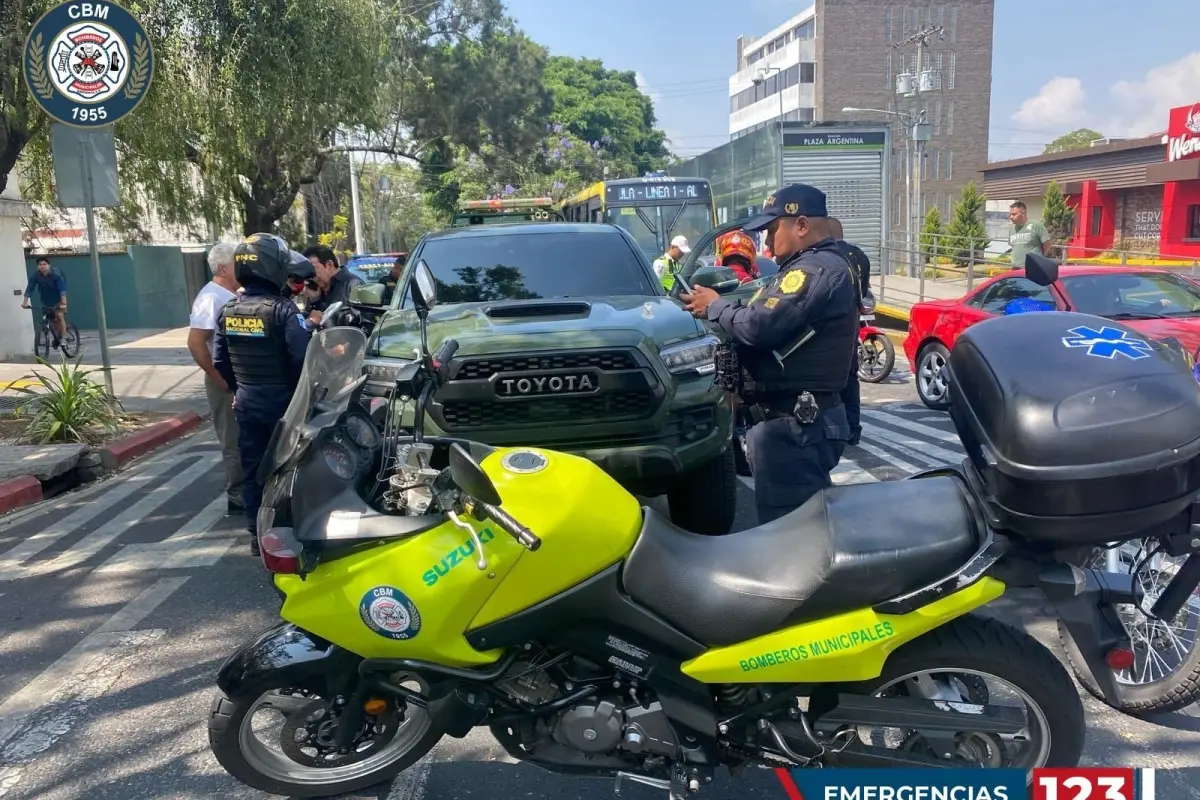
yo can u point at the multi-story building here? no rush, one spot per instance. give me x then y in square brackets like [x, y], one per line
[848, 53]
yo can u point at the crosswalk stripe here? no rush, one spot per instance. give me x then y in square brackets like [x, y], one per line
[12, 559]
[100, 538]
[917, 427]
[193, 544]
[908, 445]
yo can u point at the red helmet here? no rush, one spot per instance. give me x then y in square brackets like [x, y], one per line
[735, 243]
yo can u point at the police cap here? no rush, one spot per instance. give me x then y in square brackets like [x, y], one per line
[793, 200]
[262, 258]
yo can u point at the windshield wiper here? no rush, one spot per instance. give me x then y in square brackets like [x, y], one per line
[1134, 315]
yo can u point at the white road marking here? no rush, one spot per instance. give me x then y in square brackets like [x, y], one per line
[916, 427]
[907, 445]
[114, 633]
[194, 544]
[11, 560]
[135, 514]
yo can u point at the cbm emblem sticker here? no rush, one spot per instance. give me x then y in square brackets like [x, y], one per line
[1108, 343]
[88, 64]
[388, 612]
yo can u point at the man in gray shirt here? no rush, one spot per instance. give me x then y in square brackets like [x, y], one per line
[1027, 235]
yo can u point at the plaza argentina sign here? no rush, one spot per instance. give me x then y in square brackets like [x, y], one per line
[1183, 133]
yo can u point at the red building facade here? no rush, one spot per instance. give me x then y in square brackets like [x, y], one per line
[1139, 195]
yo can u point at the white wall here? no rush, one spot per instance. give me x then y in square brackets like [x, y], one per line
[16, 325]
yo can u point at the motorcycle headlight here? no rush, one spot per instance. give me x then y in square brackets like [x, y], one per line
[383, 372]
[698, 356]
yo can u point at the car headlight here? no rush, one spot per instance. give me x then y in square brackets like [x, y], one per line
[696, 355]
[383, 371]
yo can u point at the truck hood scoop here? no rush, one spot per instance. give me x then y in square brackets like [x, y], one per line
[549, 308]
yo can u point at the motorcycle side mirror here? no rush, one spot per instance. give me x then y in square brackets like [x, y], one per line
[470, 477]
[424, 288]
[1040, 269]
[328, 319]
[368, 294]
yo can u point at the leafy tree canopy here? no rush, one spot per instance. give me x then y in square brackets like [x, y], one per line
[1075, 140]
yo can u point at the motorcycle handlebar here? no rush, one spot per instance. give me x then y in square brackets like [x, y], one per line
[515, 529]
[441, 359]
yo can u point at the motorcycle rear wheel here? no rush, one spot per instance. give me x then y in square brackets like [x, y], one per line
[967, 651]
[1178, 687]
[284, 773]
[876, 358]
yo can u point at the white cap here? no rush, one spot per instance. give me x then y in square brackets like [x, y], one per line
[682, 243]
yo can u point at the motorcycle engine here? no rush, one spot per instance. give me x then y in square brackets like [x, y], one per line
[606, 723]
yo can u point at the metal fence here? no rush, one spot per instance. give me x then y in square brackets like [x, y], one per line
[945, 267]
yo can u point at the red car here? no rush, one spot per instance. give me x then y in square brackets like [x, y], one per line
[1160, 303]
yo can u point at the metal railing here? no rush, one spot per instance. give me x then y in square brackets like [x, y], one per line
[945, 267]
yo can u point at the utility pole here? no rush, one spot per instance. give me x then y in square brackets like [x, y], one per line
[912, 85]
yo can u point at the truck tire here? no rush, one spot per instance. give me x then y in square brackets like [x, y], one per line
[705, 500]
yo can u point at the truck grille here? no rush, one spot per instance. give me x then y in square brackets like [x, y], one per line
[484, 368]
[491, 414]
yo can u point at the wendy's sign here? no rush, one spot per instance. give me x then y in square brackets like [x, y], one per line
[1183, 133]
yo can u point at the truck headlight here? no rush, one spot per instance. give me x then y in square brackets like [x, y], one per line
[695, 355]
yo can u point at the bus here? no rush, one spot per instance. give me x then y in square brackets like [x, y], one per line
[653, 209]
[497, 211]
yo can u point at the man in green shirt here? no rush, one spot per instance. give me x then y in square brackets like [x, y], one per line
[1027, 235]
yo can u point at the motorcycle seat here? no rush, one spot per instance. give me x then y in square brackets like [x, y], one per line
[847, 548]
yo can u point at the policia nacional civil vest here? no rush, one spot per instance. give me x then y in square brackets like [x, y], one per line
[818, 359]
[257, 349]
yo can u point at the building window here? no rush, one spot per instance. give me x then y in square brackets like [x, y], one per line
[887, 26]
[950, 74]
[887, 74]
[949, 165]
[808, 72]
[804, 30]
[1193, 222]
[937, 118]
[779, 43]
[949, 117]
[896, 209]
[952, 29]
[1097, 220]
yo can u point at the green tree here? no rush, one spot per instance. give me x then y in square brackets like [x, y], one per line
[966, 232]
[20, 118]
[1057, 216]
[932, 235]
[1075, 140]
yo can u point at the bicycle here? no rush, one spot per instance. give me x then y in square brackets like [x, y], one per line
[46, 337]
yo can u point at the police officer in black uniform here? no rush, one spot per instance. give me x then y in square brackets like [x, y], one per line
[860, 267]
[794, 340]
[259, 350]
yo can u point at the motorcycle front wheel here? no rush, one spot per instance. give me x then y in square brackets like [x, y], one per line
[298, 758]
[876, 358]
[1165, 675]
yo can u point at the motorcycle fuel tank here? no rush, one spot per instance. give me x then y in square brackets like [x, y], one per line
[416, 597]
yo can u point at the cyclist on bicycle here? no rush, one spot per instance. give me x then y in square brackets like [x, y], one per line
[52, 290]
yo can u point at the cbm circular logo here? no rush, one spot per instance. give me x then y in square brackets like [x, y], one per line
[388, 612]
[88, 64]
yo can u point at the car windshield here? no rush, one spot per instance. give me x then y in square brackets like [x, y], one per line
[370, 269]
[1133, 295]
[520, 265]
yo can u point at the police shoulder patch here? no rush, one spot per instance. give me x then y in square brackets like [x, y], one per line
[792, 281]
[771, 302]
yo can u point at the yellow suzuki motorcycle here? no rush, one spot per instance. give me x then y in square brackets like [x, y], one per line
[433, 585]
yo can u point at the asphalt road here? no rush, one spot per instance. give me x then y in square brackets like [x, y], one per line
[121, 600]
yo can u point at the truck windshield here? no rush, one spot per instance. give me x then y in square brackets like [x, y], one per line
[531, 266]
[655, 226]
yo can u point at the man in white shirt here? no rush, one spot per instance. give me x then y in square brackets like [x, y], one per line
[205, 308]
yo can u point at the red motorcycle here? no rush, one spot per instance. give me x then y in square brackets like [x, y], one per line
[876, 354]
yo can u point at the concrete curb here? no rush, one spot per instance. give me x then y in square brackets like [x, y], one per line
[25, 490]
[118, 454]
[22, 490]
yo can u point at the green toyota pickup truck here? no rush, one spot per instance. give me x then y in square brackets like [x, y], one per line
[567, 341]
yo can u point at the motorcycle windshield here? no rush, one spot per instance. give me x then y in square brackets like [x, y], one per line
[332, 363]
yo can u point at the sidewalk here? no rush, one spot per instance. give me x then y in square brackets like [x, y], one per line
[152, 369]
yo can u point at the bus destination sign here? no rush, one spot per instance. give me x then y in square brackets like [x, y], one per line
[657, 190]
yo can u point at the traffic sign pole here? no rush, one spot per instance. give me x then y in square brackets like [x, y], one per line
[89, 193]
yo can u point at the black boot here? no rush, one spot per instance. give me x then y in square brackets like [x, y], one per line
[254, 551]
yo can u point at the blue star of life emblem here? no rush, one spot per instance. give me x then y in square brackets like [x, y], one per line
[1108, 343]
